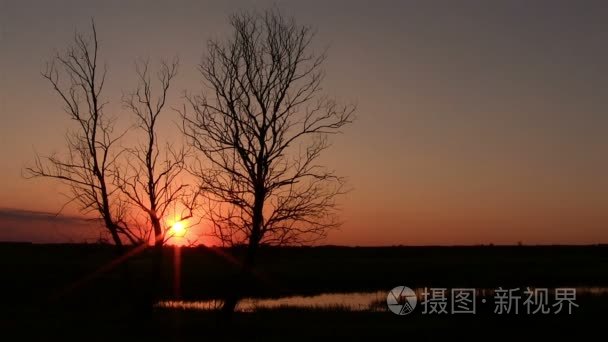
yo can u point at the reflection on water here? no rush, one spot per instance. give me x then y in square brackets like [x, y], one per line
[352, 301]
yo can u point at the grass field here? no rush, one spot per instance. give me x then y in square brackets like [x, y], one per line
[77, 292]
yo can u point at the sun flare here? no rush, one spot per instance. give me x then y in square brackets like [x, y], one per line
[178, 229]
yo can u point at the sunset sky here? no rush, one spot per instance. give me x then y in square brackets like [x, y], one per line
[478, 121]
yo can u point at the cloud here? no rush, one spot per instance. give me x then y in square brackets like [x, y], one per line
[44, 227]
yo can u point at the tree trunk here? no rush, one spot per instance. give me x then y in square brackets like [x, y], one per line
[159, 239]
[241, 280]
[116, 239]
[244, 277]
[115, 236]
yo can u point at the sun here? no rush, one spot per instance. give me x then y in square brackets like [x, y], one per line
[178, 229]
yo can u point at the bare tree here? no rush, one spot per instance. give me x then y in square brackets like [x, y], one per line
[78, 80]
[152, 178]
[262, 130]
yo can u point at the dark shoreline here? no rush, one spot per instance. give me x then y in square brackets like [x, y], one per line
[69, 291]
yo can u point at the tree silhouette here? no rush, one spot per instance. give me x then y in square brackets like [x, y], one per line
[151, 179]
[261, 130]
[79, 80]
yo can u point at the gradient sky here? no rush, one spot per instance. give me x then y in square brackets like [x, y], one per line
[478, 121]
